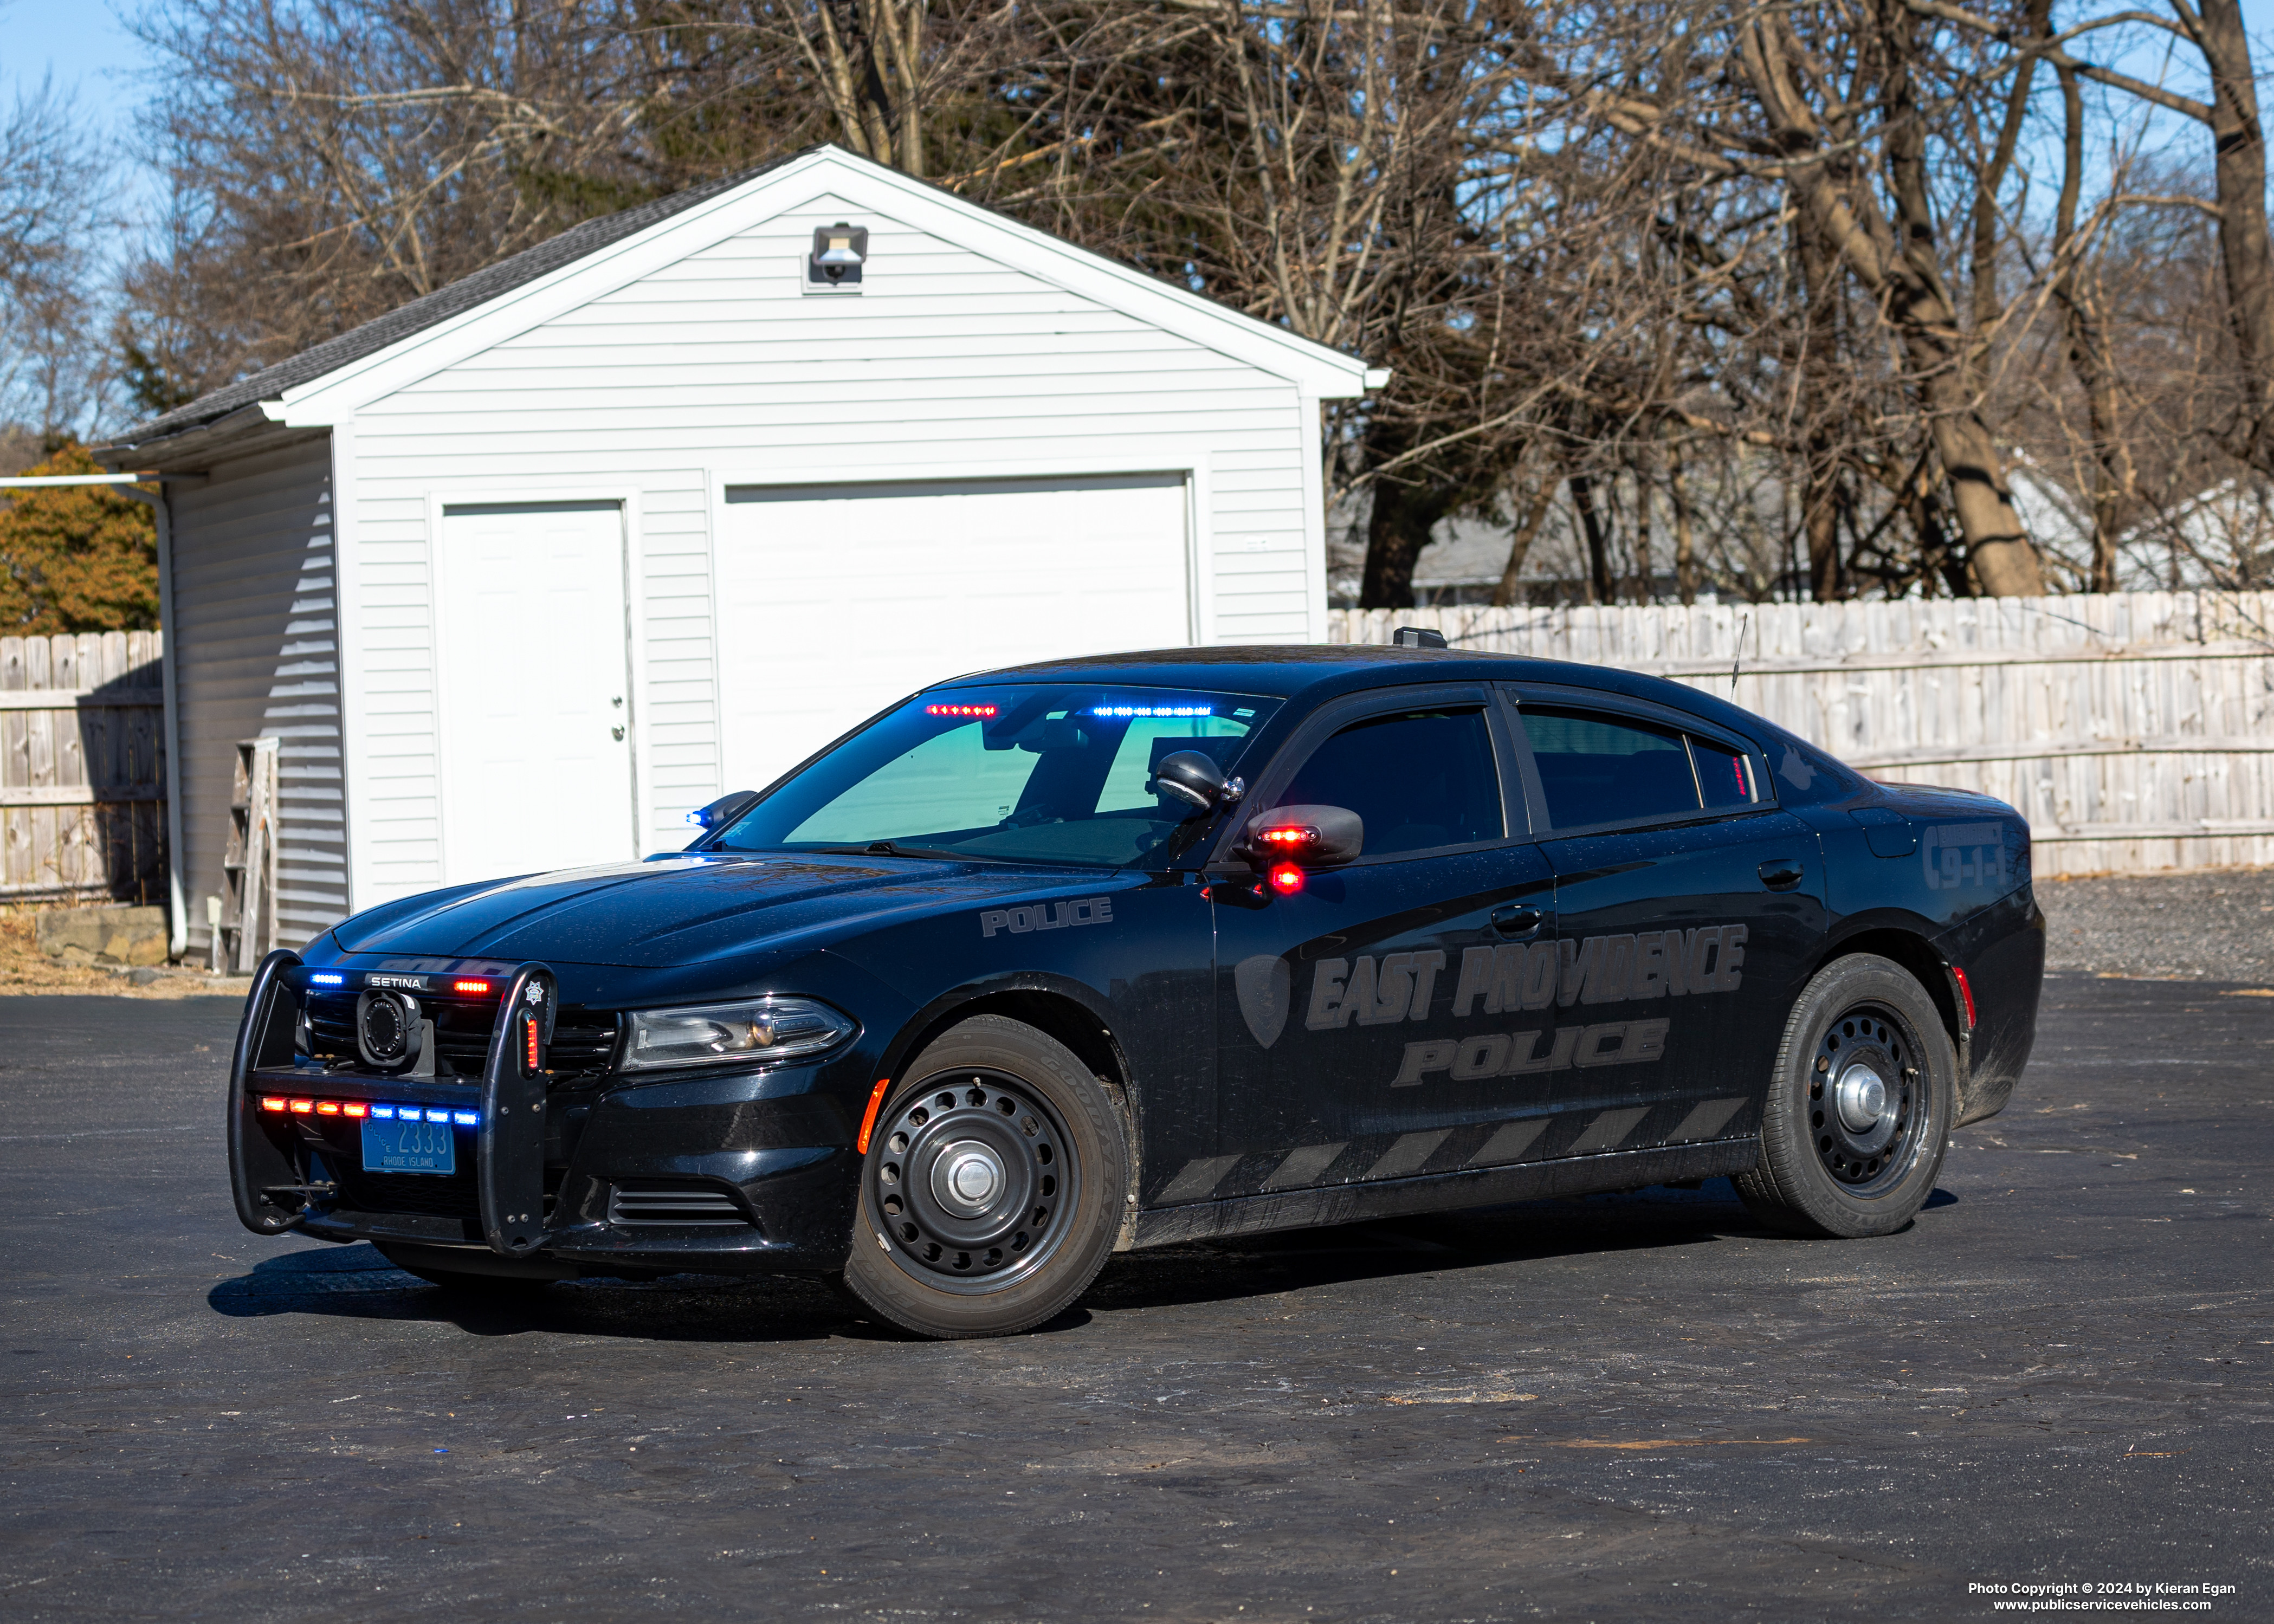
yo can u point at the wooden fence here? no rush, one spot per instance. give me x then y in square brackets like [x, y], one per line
[82, 768]
[2135, 729]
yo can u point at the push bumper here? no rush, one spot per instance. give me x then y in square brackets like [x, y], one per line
[738, 1173]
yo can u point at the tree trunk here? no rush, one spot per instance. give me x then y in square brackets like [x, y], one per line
[1600, 587]
[1897, 260]
[1685, 541]
[1509, 591]
[1396, 531]
[2238, 145]
[2115, 480]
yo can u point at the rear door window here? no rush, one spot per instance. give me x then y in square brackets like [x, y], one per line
[1594, 770]
[1598, 771]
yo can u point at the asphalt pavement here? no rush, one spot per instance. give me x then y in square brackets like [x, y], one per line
[1618, 1408]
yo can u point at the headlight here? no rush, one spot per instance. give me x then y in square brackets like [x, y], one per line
[755, 1029]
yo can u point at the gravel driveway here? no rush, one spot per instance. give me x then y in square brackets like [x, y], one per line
[2217, 925]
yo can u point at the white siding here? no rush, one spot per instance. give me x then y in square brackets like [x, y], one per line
[716, 370]
[256, 641]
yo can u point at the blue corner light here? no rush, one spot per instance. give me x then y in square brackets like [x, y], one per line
[319, 978]
[465, 1119]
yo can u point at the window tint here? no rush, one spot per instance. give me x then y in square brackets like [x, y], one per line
[1598, 771]
[1420, 779]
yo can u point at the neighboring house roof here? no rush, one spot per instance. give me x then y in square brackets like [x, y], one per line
[470, 294]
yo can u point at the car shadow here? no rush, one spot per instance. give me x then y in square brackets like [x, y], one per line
[357, 1282]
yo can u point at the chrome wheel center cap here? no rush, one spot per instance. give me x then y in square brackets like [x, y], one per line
[966, 1177]
[1863, 1098]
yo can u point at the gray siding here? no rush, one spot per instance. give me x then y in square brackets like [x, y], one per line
[255, 639]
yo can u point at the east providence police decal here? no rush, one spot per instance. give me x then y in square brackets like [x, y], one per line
[1370, 991]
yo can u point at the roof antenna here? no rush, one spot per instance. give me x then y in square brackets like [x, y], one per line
[1740, 658]
[1418, 637]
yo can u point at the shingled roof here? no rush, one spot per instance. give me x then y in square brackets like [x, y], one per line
[432, 309]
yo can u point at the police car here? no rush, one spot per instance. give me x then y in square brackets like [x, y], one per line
[1048, 963]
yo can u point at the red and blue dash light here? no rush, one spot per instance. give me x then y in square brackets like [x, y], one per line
[285, 1105]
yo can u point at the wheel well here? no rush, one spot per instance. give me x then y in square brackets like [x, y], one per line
[1080, 1030]
[1924, 964]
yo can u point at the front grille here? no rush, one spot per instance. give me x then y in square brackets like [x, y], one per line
[583, 1041]
[673, 1204]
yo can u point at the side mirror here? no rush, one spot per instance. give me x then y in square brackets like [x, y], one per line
[1194, 777]
[1308, 836]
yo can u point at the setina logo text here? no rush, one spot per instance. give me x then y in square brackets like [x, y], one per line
[1048, 916]
[1650, 964]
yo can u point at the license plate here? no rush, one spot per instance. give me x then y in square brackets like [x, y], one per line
[409, 1147]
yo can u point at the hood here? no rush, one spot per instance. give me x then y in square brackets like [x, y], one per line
[680, 911]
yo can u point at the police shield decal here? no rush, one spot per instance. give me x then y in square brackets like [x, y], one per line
[1263, 1001]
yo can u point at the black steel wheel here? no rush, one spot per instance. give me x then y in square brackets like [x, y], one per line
[991, 1193]
[1860, 1108]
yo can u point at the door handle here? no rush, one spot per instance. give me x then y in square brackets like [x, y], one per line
[1782, 873]
[1515, 921]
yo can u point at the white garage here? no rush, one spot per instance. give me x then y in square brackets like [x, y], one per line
[522, 573]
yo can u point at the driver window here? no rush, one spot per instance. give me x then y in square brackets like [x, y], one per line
[1420, 779]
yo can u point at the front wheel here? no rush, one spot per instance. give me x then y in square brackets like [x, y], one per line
[992, 1187]
[1859, 1107]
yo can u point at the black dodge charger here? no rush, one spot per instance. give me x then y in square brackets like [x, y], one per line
[1047, 963]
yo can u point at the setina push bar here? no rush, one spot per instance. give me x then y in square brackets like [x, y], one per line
[510, 1131]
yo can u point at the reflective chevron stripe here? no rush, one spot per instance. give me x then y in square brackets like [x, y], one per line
[1198, 1181]
[1510, 1143]
[1709, 1119]
[1303, 1167]
[1406, 1156]
[1375, 1158]
[1607, 1131]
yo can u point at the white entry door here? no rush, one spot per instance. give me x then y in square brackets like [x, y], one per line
[836, 600]
[535, 697]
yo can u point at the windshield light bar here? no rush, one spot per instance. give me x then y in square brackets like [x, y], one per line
[1132, 711]
[978, 711]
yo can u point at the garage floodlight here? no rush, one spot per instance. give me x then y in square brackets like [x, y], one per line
[839, 252]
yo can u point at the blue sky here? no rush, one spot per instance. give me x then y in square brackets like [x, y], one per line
[84, 43]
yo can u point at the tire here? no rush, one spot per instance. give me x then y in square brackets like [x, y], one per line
[1860, 1106]
[992, 1189]
[506, 1283]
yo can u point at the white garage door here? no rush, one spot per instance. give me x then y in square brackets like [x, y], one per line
[536, 712]
[836, 600]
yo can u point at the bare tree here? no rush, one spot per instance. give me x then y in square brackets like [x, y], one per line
[52, 177]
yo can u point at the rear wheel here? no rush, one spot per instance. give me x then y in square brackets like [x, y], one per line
[992, 1187]
[1860, 1107]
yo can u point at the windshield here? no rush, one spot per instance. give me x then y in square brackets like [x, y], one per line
[1030, 773]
